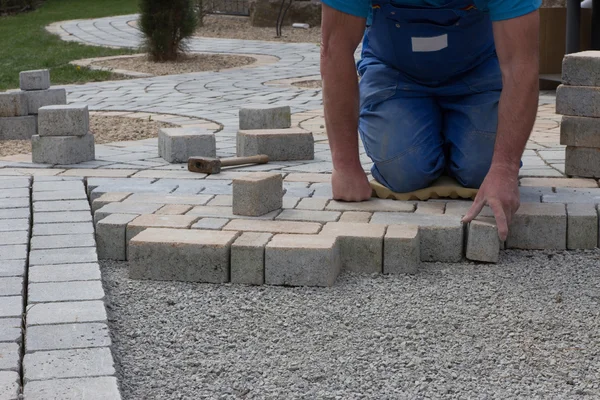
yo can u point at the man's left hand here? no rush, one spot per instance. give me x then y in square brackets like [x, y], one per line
[500, 191]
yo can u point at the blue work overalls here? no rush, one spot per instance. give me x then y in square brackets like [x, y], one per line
[429, 92]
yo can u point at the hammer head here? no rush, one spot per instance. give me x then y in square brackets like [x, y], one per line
[204, 165]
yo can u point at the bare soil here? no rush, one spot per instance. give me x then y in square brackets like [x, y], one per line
[313, 84]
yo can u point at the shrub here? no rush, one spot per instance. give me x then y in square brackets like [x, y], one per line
[14, 6]
[166, 25]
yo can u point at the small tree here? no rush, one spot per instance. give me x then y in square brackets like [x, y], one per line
[166, 25]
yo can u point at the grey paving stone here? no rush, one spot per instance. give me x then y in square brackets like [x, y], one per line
[13, 104]
[111, 236]
[125, 208]
[265, 117]
[65, 312]
[15, 183]
[67, 336]
[13, 251]
[483, 243]
[10, 382]
[173, 209]
[302, 260]
[59, 195]
[15, 202]
[533, 194]
[62, 241]
[63, 120]
[257, 194]
[61, 217]
[538, 226]
[248, 258]
[11, 193]
[372, 205]
[38, 79]
[44, 365]
[68, 228]
[53, 186]
[580, 131]
[65, 291]
[210, 223]
[11, 306]
[360, 245]
[108, 198]
[13, 268]
[582, 162]
[40, 98]
[101, 388]
[183, 255]
[63, 256]
[10, 331]
[401, 250]
[309, 215]
[11, 286]
[355, 216]
[67, 205]
[199, 199]
[63, 150]
[19, 237]
[278, 144]
[14, 225]
[582, 226]
[11, 359]
[441, 235]
[18, 128]
[176, 145]
[15, 213]
[64, 273]
[145, 189]
[314, 204]
[581, 69]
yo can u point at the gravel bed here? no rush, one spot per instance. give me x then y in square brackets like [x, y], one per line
[527, 328]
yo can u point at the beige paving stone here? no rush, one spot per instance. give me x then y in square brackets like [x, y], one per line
[226, 212]
[308, 177]
[173, 209]
[316, 204]
[181, 255]
[538, 226]
[582, 161]
[111, 239]
[580, 131]
[248, 258]
[401, 249]
[431, 208]
[582, 226]
[355, 216]
[361, 245]
[221, 200]
[483, 243]
[279, 144]
[372, 205]
[257, 194]
[147, 198]
[559, 182]
[125, 208]
[302, 260]
[210, 223]
[294, 227]
[158, 221]
[308, 215]
[99, 173]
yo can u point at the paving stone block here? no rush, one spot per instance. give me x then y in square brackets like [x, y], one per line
[10, 331]
[60, 195]
[279, 144]
[308, 177]
[67, 228]
[64, 273]
[11, 359]
[226, 212]
[173, 209]
[13, 251]
[13, 267]
[43, 365]
[12, 193]
[15, 202]
[582, 101]
[372, 205]
[62, 241]
[64, 291]
[63, 120]
[182, 255]
[580, 132]
[158, 221]
[69, 336]
[430, 207]
[108, 198]
[18, 128]
[14, 183]
[538, 227]
[125, 208]
[581, 69]
[14, 225]
[10, 382]
[248, 258]
[176, 145]
[582, 226]
[582, 161]
[265, 117]
[559, 182]
[11, 306]
[62, 216]
[289, 201]
[64, 150]
[198, 199]
[257, 194]
[41, 98]
[210, 223]
[101, 388]
[361, 245]
[63, 256]
[315, 204]
[483, 243]
[64, 205]
[355, 216]
[441, 235]
[308, 215]
[322, 190]
[111, 236]
[273, 226]
[53, 186]
[222, 200]
[19, 237]
[302, 260]
[38, 79]
[65, 312]
[401, 249]
[13, 104]
[11, 286]
[15, 213]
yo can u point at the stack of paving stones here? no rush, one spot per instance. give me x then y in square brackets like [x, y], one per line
[19, 108]
[63, 136]
[578, 99]
[64, 334]
[267, 130]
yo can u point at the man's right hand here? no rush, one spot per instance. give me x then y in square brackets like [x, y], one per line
[350, 184]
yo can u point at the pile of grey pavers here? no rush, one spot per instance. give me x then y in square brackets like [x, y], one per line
[19, 108]
[578, 100]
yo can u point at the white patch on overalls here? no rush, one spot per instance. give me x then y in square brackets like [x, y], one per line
[426, 44]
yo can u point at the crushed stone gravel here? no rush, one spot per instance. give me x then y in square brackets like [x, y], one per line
[527, 328]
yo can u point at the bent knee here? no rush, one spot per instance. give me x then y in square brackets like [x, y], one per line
[407, 174]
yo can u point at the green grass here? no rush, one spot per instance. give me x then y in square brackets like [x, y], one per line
[25, 44]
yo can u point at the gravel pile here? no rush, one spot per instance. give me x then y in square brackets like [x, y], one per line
[527, 328]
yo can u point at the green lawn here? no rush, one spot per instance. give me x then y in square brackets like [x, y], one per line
[25, 44]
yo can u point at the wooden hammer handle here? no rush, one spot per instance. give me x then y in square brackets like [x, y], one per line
[258, 159]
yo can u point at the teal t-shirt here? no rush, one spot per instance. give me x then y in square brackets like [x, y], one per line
[498, 9]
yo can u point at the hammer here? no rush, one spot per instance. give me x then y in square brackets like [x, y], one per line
[209, 165]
